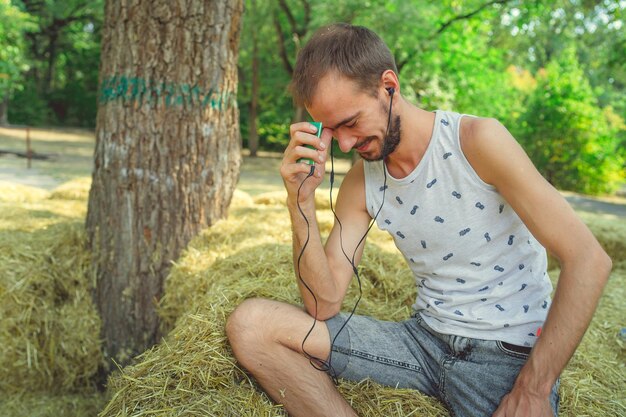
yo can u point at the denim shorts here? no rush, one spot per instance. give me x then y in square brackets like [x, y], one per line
[470, 376]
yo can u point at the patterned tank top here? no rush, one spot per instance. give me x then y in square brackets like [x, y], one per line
[479, 271]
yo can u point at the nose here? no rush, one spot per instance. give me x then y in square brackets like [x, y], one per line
[345, 140]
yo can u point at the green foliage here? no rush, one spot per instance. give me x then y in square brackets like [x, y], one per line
[77, 96]
[274, 108]
[13, 24]
[471, 56]
[567, 135]
[61, 55]
[28, 107]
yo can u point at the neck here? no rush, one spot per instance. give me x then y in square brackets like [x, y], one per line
[416, 132]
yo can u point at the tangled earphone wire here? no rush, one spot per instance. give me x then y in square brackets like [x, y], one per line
[318, 363]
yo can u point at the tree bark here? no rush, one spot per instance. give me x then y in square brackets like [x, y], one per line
[253, 135]
[167, 152]
[52, 57]
[4, 111]
[297, 32]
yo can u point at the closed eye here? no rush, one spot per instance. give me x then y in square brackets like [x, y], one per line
[352, 124]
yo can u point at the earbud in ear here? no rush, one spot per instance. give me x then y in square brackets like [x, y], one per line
[390, 90]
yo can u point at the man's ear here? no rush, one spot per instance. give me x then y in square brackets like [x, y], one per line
[390, 82]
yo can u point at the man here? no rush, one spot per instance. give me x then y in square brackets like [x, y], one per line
[470, 214]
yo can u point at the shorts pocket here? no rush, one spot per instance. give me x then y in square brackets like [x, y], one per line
[515, 351]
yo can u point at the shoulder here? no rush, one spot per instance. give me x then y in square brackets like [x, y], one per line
[476, 132]
[489, 147]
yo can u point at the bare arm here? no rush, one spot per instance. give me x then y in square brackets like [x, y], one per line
[585, 266]
[326, 272]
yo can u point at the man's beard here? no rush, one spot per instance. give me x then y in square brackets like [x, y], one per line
[390, 141]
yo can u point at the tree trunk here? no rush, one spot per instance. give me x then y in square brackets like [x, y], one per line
[297, 31]
[167, 152]
[4, 111]
[52, 57]
[253, 136]
[299, 114]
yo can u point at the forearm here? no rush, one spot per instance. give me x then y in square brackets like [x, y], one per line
[578, 291]
[318, 287]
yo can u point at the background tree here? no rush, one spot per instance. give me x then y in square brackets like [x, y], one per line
[63, 47]
[167, 152]
[13, 25]
[567, 135]
[468, 56]
[249, 71]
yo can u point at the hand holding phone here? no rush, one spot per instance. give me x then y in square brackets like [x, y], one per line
[318, 134]
[303, 167]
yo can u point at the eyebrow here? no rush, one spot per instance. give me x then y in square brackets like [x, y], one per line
[346, 120]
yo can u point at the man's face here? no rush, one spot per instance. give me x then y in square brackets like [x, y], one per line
[358, 119]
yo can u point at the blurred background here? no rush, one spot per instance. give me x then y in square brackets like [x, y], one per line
[552, 71]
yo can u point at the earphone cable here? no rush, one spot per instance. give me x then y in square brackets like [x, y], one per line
[317, 363]
[351, 260]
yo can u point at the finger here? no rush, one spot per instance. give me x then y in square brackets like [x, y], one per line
[294, 153]
[305, 138]
[305, 154]
[302, 127]
[325, 140]
[319, 170]
[294, 172]
[304, 134]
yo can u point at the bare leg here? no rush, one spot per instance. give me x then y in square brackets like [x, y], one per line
[266, 337]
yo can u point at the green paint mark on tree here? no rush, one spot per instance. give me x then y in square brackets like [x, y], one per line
[160, 93]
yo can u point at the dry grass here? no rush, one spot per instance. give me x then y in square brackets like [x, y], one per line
[48, 326]
[44, 404]
[49, 329]
[193, 372]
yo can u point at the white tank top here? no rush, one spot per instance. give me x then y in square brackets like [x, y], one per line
[479, 271]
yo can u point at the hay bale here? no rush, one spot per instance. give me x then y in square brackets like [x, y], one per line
[17, 193]
[76, 189]
[193, 371]
[241, 199]
[49, 331]
[245, 230]
[272, 198]
[35, 216]
[45, 405]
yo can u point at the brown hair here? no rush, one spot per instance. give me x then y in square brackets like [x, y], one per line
[354, 52]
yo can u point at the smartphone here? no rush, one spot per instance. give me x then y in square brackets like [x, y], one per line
[318, 134]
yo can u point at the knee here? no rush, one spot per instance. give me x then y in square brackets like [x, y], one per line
[245, 327]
